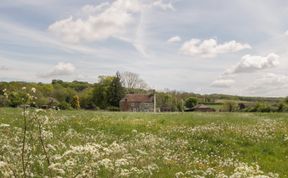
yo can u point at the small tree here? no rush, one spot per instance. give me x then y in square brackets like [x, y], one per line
[75, 102]
[229, 106]
[116, 91]
[191, 102]
[180, 106]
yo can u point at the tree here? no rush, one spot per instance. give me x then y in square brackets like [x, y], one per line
[131, 81]
[75, 102]
[261, 107]
[180, 105]
[86, 101]
[229, 106]
[191, 102]
[116, 91]
[286, 100]
[101, 90]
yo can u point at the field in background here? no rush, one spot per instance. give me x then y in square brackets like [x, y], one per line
[93, 144]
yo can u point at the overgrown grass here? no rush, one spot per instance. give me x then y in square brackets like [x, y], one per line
[159, 145]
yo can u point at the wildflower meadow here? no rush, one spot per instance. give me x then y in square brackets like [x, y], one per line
[106, 144]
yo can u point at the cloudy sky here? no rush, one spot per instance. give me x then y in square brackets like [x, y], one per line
[232, 47]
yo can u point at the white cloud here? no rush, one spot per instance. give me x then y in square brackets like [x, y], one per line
[286, 33]
[271, 84]
[3, 68]
[61, 69]
[174, 39]
[210, 48]
[103, 21]
[90, 9]
[164, 6]
[254, 63]
[223, 83]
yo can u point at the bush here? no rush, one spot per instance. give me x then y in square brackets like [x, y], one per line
[260, 107]
[42, 101]
[3, 101]
[64, 106]
[191, 102]
[75, 102]
[282, 107]
[113, 108]
[230, 106]
[16, 99]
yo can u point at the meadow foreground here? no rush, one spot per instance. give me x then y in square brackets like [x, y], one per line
[102, 144]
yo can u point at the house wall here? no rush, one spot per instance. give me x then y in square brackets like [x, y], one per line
[137, 107]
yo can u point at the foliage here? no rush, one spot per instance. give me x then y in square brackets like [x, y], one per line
[140, 145]
[75, 102]
[260, 107]
[64, 106]
[191, 102]
[230, 106]
[113, 108]
[282, 107]
[107, 92]
[101, 93]
[116, 91]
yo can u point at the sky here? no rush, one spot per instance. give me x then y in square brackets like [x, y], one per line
[236, 47]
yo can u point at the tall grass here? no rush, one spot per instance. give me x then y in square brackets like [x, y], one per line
[106, 144]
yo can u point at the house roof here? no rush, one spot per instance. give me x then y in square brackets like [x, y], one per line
[138, 98]
[201, 106]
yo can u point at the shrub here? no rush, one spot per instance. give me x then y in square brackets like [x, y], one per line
[3, 101]
[113, 108]
[191, 102]
[75, 102]
[64, 106]
[230, 106]
[260, 107]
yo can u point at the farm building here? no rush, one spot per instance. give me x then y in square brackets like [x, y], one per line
[138, 103]
[201, 108]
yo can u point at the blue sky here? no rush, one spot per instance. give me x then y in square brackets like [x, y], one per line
[232, 47]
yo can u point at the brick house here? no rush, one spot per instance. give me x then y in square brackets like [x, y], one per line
[138, 103]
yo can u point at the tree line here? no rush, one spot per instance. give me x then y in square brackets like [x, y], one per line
[106, 93]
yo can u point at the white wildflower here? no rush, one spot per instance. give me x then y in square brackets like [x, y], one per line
[3, 164]
[125, 173]
[121, 162]
[107, 163]
[4, 125]
[33, 90]
[134, 131]
[179, 174]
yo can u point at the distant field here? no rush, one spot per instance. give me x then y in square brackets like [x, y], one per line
[103, 144]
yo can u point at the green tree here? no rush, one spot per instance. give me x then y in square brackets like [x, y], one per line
[191, 102]
[86, 101]
[101, 91]
[75, 102]
[229, 106]
[116, 91]
[261, 107]
[180, 106]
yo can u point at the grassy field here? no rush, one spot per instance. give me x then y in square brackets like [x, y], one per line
[100, 144]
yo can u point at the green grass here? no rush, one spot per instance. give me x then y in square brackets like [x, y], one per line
[175, 142]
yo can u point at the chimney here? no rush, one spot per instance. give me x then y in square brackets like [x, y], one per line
[155, 102]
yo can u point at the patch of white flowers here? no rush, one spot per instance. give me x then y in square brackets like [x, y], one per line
[96, 153]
